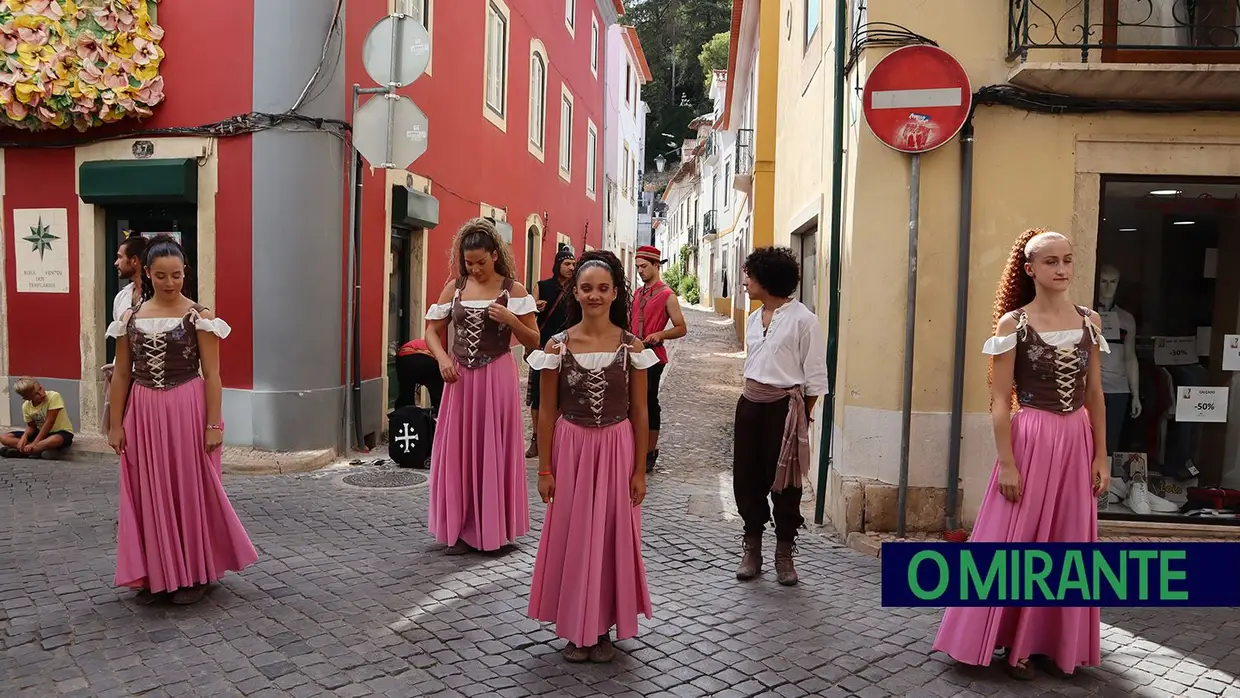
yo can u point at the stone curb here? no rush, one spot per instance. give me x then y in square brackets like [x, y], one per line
[236, 460]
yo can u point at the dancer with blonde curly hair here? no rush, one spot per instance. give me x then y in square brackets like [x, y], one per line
[1052, 458]
[478, 488]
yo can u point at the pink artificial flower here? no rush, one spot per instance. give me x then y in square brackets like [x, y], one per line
[46, 8]
[88, 48]
[115, 81]
[152, 92]
[126, 21]
[106, 18]
[34, 37]
[145, 51]
[15, 110]
[8, 40]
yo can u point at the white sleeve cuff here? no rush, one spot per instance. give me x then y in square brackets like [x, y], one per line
[1102, 343]
[643, 360]
[439, 311]
[216, 326]
[522, 306]
[999, 345]
[116, 329]
[540, 360]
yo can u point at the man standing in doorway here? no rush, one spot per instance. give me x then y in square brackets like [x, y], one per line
[654, 305]
[129, 264]
[785, 374]
[551, 298]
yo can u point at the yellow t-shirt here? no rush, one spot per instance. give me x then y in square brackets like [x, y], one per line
[37, 414]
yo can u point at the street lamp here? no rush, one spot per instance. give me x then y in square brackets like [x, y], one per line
[660, 162]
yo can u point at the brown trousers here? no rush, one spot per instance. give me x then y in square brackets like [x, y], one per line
[757, 439]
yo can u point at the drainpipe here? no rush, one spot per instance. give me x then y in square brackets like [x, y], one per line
[833, 302]
[962, 308]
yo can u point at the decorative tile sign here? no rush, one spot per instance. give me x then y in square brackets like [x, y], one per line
[41, 250]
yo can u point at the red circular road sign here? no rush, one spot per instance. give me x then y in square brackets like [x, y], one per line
[916, 99]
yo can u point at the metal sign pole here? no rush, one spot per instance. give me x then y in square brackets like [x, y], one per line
[397, 25]
[910, 327]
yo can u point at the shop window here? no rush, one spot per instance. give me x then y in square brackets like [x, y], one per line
[1173, 325]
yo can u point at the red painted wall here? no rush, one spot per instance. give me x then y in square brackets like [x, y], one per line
[207, 77]
[42, 327]
[469, 160]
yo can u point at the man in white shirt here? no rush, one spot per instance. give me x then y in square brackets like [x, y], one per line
[128, 263]
[785, 374]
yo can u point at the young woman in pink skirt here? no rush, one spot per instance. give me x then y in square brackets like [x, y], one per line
[177, 531]
[1052, 461]
[478, 487]
[588, 575]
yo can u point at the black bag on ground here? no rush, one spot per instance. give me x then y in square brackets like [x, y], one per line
[411, 430]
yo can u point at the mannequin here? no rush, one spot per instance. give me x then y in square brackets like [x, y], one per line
[1120, 377]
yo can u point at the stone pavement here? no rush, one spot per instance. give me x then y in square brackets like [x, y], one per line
[352, 597]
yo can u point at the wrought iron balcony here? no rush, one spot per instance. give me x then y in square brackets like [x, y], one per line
[692, 230]
[1127, 31]
[710, 224]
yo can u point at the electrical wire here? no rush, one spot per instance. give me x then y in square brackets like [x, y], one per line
[1053, 103]
[872, 34]
[332, 32]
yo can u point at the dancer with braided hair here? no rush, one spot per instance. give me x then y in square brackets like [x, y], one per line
[1051, 465]
[478, 495]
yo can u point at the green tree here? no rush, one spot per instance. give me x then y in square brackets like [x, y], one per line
[714, 55]
[673, 33]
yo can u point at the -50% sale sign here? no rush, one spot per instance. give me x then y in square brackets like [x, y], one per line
[1201, 405]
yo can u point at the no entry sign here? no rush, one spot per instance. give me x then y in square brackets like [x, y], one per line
[916, 98]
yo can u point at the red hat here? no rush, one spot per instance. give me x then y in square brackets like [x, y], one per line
[650, 254]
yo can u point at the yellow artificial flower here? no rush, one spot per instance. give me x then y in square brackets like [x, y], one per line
[16, 6]
[25, 90]
[70, 8]
[29, 21]
[122, 45]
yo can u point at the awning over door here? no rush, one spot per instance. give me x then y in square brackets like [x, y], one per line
[413, 209]
[166, 181]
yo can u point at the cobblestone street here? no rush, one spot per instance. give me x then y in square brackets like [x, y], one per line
[352, 597]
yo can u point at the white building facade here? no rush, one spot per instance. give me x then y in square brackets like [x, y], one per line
[624, 142]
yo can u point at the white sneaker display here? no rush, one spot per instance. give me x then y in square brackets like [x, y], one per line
[1160, 505]
[1138, 498]
[1118, 489]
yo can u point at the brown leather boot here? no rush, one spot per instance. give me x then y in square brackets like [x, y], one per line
[785, 573]
[751, 562]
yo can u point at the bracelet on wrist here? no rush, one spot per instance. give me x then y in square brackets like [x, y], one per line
[217, 427]
[544, 472]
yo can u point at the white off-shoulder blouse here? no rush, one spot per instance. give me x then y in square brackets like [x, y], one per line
[519, 306]
[1061, 339]
[157, 325]
[590, 361]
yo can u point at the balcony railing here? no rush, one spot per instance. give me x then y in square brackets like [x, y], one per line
[693, 235]
[710, 223]
[744, 152]
[1127, 31]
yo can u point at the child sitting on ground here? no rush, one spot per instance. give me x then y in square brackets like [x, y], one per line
[48, 428]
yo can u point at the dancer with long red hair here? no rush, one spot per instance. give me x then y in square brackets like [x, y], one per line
[1052, 458]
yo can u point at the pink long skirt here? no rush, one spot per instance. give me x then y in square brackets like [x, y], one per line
[589, 576]
[1054, 454]
[478, 483]
[176, 527]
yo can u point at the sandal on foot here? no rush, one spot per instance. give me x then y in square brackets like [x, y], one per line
[604, 651]
[1048, 665]
[189, 595]
[1021, 671]
[575, 654]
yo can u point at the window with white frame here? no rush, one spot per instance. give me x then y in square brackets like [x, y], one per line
[633, 175]
[591, 157]
[628, 83]
[594, 45]
[727, 182]
[624, 186]
[538, 99]
[570, 15]
[566, 133]
[417, 9]
[496, 59]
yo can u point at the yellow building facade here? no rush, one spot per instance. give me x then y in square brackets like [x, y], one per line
[1079, 164]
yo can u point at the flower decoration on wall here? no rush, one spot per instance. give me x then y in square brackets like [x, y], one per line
[78, 63]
